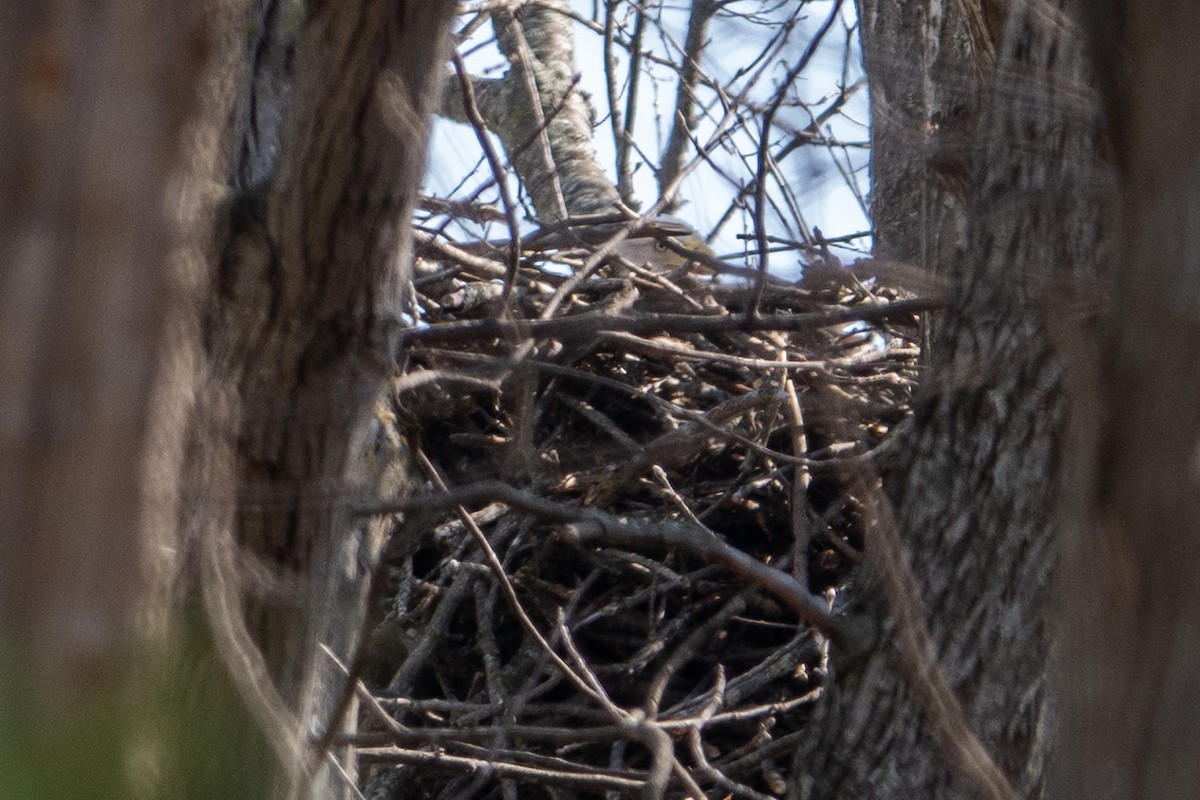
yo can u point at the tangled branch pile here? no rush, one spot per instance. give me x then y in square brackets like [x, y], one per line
[632, 524]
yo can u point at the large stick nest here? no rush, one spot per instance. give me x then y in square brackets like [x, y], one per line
[657, 505]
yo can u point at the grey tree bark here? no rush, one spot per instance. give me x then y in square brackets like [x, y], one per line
[537, 111]
[930, 67]
[302, 328]
[976, 491]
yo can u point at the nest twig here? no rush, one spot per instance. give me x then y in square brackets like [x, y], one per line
[618, 572]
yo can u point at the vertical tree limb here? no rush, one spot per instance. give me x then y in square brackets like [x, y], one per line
[305, 324]
[1131, 587]
[92, 109]
[977, 492]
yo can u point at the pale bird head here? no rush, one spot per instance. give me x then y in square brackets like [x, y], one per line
[650, 248]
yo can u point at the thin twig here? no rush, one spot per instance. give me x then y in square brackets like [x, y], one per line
[494, 162]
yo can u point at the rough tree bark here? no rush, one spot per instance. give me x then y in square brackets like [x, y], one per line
[302, 330]
[930, 67]
[978, 483]
[540, 115]
[1130, 684]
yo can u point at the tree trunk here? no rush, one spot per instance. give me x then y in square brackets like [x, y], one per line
[976, 492]
[92, 105]
[930, 67]
[92, 119]
[1131, 644]
[302, 332]
[540, 115]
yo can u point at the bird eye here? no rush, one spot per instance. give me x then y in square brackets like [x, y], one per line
[660, 245]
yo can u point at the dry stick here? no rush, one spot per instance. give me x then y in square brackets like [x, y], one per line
[446, 736]
[591, 779]
[746, 759]
[464, 209]
[493, 158]
[760, 228]
[399, 735]
[777, 666]
[690, 646]
[653, 736]
[792, 205]
[680, 503]
[395, 730]
[711, 420]
[549, 762]
[600, 420]
[485, 267]
[510, 594]
[610, 85]
[671, 349]
[624, 175]
[589, 525]
[811, 134]
[347, 778]
[489, 650]
[449, 600]
[761, 710]
[684, 440]
[696, 746]
[801, 480]
[415, 380]
[683, 118]
[365, 695]
[595, 527]
[587, 325]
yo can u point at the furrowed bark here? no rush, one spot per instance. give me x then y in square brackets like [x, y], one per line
[977, 492]
[930, 67]
[303, 329]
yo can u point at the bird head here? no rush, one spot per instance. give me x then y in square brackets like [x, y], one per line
[662, 245]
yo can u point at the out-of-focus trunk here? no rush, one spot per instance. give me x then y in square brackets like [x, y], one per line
[92, 106]
[1131, 590]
